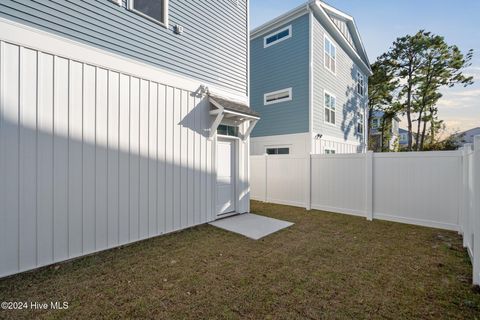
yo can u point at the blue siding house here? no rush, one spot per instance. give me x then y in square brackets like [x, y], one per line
[119, 121]
[309, 80]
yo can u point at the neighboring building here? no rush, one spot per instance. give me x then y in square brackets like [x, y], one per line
[403, 138]
[391, 134]
[468, 135]
[108, 132]
[309, 80]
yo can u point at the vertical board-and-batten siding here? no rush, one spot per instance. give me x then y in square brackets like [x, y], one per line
[280, 66]
[92, 158]
[342, 85]
[213, 47]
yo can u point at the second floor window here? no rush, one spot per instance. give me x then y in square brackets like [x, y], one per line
[277, 96]
[360, 84]
[155, 10]
[330, 103]
[330, 56]
[278, 36]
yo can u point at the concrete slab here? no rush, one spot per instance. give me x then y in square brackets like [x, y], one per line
[251, 225]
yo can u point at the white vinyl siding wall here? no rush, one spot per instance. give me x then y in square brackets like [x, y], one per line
[92, 158]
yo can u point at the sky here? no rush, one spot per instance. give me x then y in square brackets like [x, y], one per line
[380, 22]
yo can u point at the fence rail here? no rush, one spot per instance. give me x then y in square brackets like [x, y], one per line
[433, 189]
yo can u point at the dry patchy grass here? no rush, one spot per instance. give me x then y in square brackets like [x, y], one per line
[326, 266]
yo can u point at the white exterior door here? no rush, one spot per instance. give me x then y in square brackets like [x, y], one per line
[225, 176]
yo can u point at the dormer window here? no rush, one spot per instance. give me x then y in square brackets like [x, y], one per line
[278, 36]
[154, 10]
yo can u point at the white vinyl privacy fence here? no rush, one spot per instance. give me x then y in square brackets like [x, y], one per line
[434, 189]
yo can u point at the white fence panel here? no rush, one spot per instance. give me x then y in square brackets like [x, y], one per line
[257, 179]
[474, 216]
[469, 197]
[338, 183]
[422, 188]
[286, 182]
[434, 189]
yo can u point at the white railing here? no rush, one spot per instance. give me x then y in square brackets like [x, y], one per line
[433, 189]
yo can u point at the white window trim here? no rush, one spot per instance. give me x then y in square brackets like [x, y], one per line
[289, 28]
[289, 98]
[325, 37]
[361, 116]
[359, 74]
[165, 12]
[325, 92]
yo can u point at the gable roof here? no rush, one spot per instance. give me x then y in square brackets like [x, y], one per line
[352, 28]
[468, 135]
[326, 15]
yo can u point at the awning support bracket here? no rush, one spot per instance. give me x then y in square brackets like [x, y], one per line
[247, 133]
[218, 119]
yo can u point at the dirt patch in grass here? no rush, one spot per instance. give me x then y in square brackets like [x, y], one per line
[325, 266]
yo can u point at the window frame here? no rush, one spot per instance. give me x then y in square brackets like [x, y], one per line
[325, 93]
[325, 39]
[131, 8]
[236, 130]
[361, 85]
[289, 98]
[277, 148]
[266, 45]
[361, 122]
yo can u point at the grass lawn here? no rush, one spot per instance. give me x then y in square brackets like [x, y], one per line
[325, 266]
